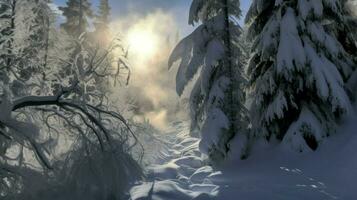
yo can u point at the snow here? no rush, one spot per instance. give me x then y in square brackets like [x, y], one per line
[196, 6]
[182, 176]
[197, 49]
[297, 63]
[272, 172]
[318, 34]
[329, 83]
[215, 52]
[269, 42]
[325, 174]
[212, 130]
[306, 124]
[277, 107]
[351, 84]
[328, 173]
[291, 54]
[200, 174]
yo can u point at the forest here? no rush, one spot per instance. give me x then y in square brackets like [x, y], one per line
[178, 99]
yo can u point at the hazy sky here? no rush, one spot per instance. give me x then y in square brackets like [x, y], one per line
[178, 8]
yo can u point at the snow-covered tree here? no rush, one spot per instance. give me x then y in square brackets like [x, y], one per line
[72, 107]
[351, 10]
[7, 17]
[32, 23]
[298, 68]
[77, 13]
[24, 32]
[48, 93]
[213, 52]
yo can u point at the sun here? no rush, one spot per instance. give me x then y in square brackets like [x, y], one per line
[142, 43]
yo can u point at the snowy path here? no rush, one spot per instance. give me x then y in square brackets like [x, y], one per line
[272, 173]
[179, 173]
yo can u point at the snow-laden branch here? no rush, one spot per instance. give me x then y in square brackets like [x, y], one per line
[87, 113]
[29, 101]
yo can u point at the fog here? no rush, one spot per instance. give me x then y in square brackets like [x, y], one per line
[352, 5]
[151, 90]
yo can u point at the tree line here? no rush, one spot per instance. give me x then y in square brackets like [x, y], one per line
[288, 76]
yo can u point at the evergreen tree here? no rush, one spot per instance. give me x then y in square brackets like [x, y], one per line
[77, 13]
[102, 19]
[298, 69]
[216, 102]
[351, 10]
[101, 36]
[7, 27]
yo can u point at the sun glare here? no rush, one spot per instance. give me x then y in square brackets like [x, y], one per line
[142, 43]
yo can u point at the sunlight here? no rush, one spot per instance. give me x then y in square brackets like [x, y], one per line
[142, 42]
[150, 41]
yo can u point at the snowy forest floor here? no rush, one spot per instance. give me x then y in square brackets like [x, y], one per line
[272, 172]
[179, 172]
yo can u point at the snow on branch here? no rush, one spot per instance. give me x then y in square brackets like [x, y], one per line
[87, 112]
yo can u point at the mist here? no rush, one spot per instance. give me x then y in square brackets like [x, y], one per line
[352, 4]
[151, 90]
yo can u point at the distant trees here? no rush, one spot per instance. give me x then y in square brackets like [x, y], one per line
[217, 99]
[77, 13]
[101, 34]
[102, 18]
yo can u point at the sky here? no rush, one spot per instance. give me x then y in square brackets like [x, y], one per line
[179, 9]
[150, 30]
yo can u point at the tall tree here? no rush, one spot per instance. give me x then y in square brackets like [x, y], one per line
[77, 13]
[216, 102]
[102, 19]
[7, 17]
[351, 10]
[102, 32]
[298, 68]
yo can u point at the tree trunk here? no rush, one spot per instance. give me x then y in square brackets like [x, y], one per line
[46, 43]
[231, 73]
[9, 60]
[80, 18]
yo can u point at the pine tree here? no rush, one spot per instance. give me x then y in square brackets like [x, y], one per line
[298, 69]
[7, 20]
[351, 14]
[77, 13]
[212, 51]
[102, 19]
[102, 31]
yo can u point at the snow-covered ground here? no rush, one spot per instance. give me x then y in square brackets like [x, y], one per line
[270, 173]
[276, 173]
[179, 172]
